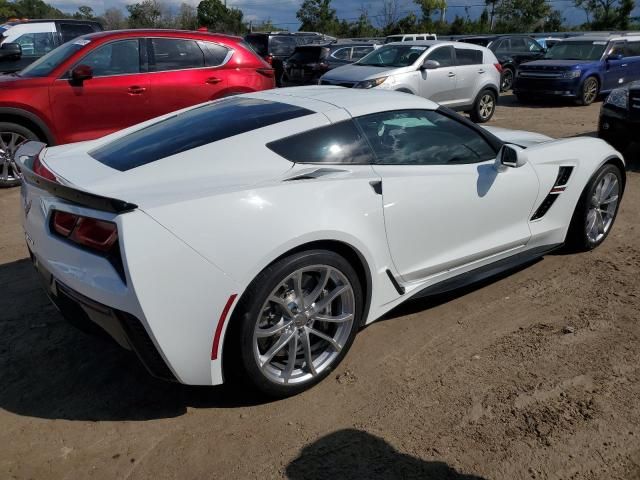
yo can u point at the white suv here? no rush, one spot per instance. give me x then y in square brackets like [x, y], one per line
[458, 75]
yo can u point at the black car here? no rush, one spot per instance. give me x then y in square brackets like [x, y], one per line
[23, 42]
[309, 62]
[275, 47]
[510, 50]
[619, 122]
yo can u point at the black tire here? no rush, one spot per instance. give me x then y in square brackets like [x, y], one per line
[8, 174]
[482, 110]
[506, 82]
[588, 91]
[241, 363]
[577, 238]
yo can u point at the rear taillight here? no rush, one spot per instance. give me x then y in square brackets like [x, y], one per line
[88, 232]
[40, 169]
[267, 72]
[498, 67]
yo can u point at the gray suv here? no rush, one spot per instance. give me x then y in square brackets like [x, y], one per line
[457, 75]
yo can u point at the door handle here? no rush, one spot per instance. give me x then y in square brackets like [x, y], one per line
[213, 80]
[136, 90]
[624, 64]
[481, 71]
[451, 74]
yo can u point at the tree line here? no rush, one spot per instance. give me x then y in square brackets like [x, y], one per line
[393, 16]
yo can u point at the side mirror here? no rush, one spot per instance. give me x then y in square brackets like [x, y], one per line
[511, 156]
[615, 56]
[81, 73]
[10, 51]
[429, 65]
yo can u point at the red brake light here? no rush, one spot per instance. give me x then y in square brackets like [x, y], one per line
[267, 72]
[89, 232]
[498, 67]
[40, 169]
[63, 222]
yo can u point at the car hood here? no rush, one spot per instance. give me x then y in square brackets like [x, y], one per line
[558, 64]
[518, 137]
[357, 73]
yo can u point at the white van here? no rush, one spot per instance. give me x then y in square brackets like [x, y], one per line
[410, 37]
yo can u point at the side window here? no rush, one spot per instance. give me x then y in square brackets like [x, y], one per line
[36, 44]
[420, 38]
[634, 49]
[70, 31]
[214, 54]
[423, 137]
[466, 56]
[337, 143]
[359, 52]
[282, 45]
[503, 46]
[442, 55]
[174, 54]
[341, 54]
[518, 45]
[618, 49]
[533, 46]
[116, 58]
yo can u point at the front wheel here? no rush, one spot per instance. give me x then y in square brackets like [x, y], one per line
[596, 210]
[484, 106]
[12, 136]
[589, 91]
[507, 79]
[296, 322]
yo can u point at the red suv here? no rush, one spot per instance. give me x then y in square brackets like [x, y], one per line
[106, 81]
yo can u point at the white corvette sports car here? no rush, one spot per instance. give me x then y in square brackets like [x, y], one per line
[254, 235]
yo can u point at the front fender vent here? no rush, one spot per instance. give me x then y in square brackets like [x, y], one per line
[558, 187]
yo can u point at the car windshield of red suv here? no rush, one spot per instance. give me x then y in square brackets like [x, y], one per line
[45, 65]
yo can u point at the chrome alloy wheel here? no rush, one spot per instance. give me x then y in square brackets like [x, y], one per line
[590, 91]
[9, 143]
[487, 104]
[507, 79]
[304, 324]
[602, 207]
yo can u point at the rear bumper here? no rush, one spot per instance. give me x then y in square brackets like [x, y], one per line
[94, 317]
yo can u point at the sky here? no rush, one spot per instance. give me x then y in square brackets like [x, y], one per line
[283, 12]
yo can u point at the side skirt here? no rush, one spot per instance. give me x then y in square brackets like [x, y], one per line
[482, 273]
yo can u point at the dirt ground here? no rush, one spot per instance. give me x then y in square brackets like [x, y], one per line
[535, 375]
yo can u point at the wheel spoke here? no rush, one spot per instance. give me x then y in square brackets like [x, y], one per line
[599, 221]
[5, 170]
[330, 297]
[591, 222]
[611, 199]
[345, 317]
[337, 347]
[291, 362]
[297, 287]
[283, 304]
[273, 330]
[279, 345]
[322, 283]
[306, 346]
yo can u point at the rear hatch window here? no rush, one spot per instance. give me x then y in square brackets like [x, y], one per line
[308, 54]
[194, 128]
[258, 44]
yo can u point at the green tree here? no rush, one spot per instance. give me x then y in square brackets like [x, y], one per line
[85, 12]
[317, 16]
[36, 9]
[7, 10]
[214, 15]
[607, 14]
[113, 19]
[187, 17]
[522, 15]
[146, 14]
[429, 7]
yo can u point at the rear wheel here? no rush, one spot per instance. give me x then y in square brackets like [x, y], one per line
[296, 322]
[12, 136]
[484, 106]
[589, 91]
[596, 210]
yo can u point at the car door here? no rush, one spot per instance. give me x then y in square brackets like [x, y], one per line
[534, 51]
[116, 97]
[445, 204]
[181, 75]
[439, 84]
[616, 70]
[633, 50]
[470, 71]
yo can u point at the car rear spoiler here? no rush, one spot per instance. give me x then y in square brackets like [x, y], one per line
[25, 157]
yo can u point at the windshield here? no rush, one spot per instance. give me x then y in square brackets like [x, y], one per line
[572, 50]
[393, 56]
[308, 54]
[45, 65]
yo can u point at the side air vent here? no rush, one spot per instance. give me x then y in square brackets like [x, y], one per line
[558, 187]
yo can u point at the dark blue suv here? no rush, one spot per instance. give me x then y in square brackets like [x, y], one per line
[581, 68]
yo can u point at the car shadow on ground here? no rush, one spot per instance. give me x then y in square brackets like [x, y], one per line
[49, 369]
[354, 454]
[509, 100]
